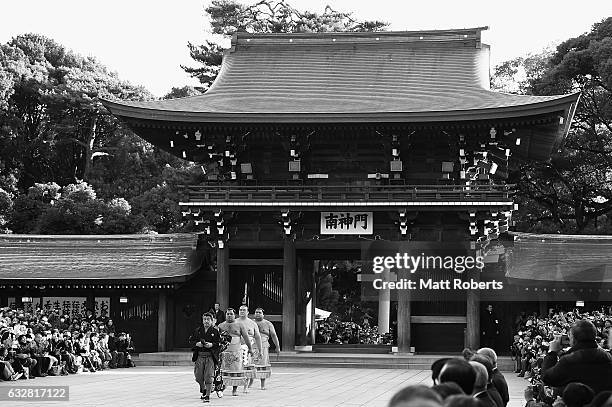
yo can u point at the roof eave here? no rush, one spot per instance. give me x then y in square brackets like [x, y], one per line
[137, 112]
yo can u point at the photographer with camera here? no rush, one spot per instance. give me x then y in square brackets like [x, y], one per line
[585, 362]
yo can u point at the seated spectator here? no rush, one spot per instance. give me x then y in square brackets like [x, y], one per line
[577, 395]
[23, 360]
[68, 354]
[102, 348]
[81, 347]
[96, 361]
[416, 396]
[447, 389]
[7, 372]
[40, 351]
[585, 362]
[460, 372]
[480, 385]
[119, 351]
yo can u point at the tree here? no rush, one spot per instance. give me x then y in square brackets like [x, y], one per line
[6, 205]
[183, 92]
[27, 208]
[266, 16]
[573, 192]
[52, 124]
[518, 75]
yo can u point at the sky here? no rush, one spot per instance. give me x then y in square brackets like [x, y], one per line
[145, 41]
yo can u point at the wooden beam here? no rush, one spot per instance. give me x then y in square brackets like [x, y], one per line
[289, 294]
[223, 277]
[237, 244]
[437, 319]
[256, 262]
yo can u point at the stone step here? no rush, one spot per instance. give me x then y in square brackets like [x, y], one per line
[291, 359]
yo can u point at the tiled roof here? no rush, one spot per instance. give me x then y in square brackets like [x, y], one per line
[351, 77]
[561, 259]
[119, 257]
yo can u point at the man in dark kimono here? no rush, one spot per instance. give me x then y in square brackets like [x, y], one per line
[205, 341]
[490, 327]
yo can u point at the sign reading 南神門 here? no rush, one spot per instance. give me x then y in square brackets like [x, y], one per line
[347, 223]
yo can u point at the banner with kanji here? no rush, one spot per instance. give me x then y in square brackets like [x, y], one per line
[72, 306]
[347, 223]
[102, 307]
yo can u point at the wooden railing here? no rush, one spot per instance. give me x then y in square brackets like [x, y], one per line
[331, 193]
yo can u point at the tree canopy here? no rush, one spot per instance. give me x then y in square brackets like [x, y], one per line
[228, 17]
[573, 192]
[64, 157]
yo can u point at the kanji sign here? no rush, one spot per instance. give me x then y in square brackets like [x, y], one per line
[102, 307]
[72, 306]
[347, 223]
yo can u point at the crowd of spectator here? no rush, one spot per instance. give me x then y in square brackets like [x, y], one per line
[580, 341]
[570, 366]
[470, 380]
[342, 332]
[42, 343]
[533, 334]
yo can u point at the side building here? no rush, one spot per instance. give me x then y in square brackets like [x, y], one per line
[132, 279]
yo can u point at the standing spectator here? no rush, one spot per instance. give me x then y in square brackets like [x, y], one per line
[460, 372]
[129, 350]
[497, 378]
[480, 391]
[110, 328]
[490, 327]
[585, 362]
[219, 314]
[416, 396]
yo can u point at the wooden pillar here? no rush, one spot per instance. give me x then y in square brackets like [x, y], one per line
[300, 317]
[223, 277]
[171, 321]
[384, 304]
[289, 294]
[473, 315]
[403, 315]
[162, 321]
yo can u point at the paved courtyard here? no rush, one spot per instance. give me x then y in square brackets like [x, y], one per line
[174, 386]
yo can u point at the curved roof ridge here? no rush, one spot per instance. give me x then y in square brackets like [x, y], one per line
[354, 37]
